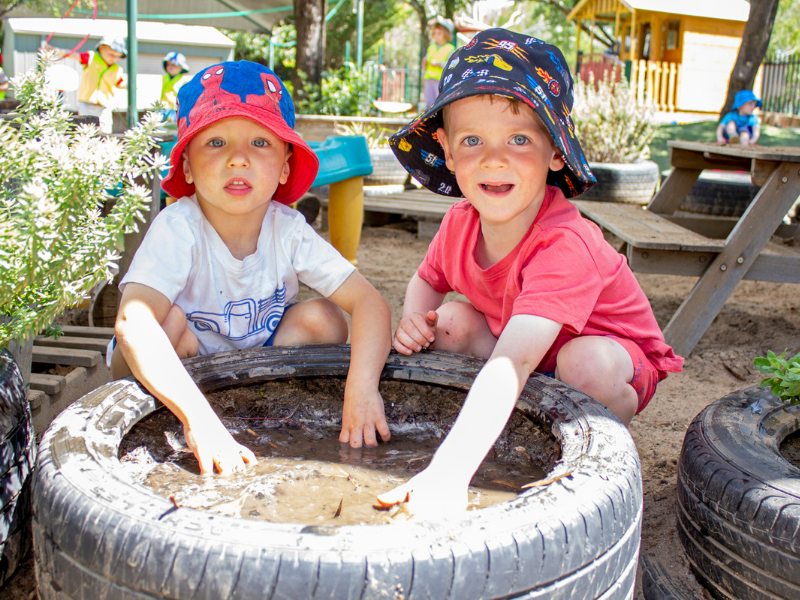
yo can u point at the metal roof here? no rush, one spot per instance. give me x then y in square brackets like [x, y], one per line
[146, 31]
[266, 13]
[730, 10]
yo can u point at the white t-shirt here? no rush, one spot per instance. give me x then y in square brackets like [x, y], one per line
[230, 303]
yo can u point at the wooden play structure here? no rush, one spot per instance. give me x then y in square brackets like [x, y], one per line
[677, 54]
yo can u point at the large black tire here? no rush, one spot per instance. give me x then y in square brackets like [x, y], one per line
[98, 535]
[722, 194]
[739, 499]
[17, 457]
[632, 183]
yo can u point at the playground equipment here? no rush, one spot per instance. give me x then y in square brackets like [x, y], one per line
[343, 163]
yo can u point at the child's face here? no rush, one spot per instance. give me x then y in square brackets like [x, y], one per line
[500, 159]
[109, 55]
[173, 69]
[748, 107]
[236, 165]
[439, 34]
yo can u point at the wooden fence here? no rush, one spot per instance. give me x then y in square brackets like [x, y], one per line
[780, 85]
[655, 83]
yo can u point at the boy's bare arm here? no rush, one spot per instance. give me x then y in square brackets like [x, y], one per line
[417, 328]
[370, 341]
[441, 489]
[153, 361]
[720, 137]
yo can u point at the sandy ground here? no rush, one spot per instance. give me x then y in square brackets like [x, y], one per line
[758, 317]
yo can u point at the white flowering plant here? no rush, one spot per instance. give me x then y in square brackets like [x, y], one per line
[610, 124]
[55, 177]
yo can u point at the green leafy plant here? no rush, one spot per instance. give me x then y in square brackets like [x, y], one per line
[374, 134]
[55, 177]
[346, 92]
[611, 126]
[784, 380]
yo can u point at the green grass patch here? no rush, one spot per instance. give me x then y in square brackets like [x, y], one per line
[705, 131]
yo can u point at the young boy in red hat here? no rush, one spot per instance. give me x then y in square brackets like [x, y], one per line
[219, 269]
[546, 292]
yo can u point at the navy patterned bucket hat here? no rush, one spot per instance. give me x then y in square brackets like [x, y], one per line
[508, 64]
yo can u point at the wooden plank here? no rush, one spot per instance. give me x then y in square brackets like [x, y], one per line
[64, 356]
[640, 228]
[777, 264]
[742, 248]
[777, 153]
[105, 333]
[674, 190]
[49, 384]
[687, 159]
[761, 170]
[66, 341]
[719, 228]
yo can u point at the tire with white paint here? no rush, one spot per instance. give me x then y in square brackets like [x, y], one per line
[631, 183]
[98, 535]
[739, 498]
[17, 456]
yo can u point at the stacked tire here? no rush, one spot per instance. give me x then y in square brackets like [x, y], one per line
[17, 457]
[739, 498]
[97, 534]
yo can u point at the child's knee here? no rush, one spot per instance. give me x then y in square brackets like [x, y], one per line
[317, 321]
[462, 328]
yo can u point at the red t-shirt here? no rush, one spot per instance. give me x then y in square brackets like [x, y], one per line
[563, 270]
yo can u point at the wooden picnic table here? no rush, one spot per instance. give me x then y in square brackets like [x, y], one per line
[721, 251]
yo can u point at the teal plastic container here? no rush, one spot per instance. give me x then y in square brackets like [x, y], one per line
[340, 158]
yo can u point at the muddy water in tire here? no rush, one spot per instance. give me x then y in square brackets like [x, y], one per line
[305, 475]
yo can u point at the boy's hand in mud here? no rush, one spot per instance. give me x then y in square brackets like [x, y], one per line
[428, 495]
[415, 332]
[362, 416]
[214, 447]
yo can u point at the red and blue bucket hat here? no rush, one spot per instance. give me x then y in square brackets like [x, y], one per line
[508, 64]
[240, 89]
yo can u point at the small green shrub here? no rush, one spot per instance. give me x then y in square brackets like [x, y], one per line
[345, 92]
[784, 380]
[54, 179]
[375, 134]
[610, 125]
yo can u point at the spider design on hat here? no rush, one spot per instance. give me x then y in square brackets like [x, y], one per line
[212, 95]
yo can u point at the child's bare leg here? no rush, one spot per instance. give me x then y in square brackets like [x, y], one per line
[730, 129]
[317, 321]
[744, 138]
[602, 368]
[463, 329]
[180, 336]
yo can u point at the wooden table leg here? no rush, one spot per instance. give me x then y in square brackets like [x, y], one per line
[675, 188]
[742, 247]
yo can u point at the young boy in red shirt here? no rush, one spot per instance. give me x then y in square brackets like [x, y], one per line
[546, 292]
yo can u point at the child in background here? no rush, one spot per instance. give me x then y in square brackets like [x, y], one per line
[3, 83]
[176, 67]
[546, 292]
[436, 57]
[741, 121]
[219, 269]
[101, 75]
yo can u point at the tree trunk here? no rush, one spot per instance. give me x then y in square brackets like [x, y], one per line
[755, 41]
[309, 20]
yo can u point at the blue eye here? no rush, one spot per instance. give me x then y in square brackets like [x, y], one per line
[216, 143]
[472, 140]
[520, 140]
[260, 143]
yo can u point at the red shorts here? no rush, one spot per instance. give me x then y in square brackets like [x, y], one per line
[645, 375]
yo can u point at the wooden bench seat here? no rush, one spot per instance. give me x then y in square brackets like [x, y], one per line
[656, 244]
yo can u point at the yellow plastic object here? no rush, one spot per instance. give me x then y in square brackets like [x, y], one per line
[346, 215]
